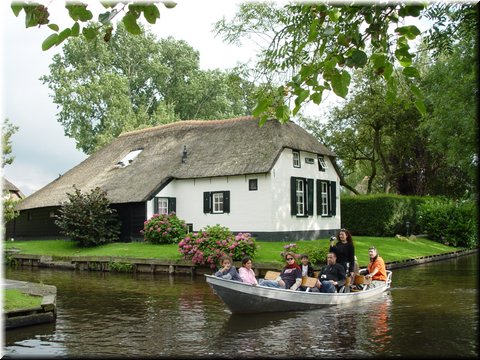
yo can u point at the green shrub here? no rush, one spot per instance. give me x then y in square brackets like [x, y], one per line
[164, 229]
[381, 214]
[450, 222]
[209, 245]
[88, 219]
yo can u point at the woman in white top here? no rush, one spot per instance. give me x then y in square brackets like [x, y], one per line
[246, 272]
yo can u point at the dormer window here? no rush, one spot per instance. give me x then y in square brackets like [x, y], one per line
[127, 160]
[322, 165]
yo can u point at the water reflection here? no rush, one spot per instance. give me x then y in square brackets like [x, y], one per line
[431, 310]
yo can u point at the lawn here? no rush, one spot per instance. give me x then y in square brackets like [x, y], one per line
[391, 249]
[14, 300]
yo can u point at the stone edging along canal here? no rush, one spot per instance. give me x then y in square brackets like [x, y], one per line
[45, 313]
[136, 265]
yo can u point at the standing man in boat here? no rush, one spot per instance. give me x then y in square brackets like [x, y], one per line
[376, 268]
[331, 276]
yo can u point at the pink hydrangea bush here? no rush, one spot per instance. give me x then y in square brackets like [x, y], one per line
[164, 229]
[210, 244]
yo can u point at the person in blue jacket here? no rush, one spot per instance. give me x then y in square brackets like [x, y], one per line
[227, 270]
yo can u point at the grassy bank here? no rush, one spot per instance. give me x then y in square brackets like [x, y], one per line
[14, 300]
[391, 249]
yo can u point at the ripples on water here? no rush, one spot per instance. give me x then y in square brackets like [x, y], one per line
[431, 310]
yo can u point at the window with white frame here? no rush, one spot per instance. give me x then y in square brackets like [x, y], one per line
[301, 197]
[324, 197]
[216, 202]
[296, 158]
[164, 205]
[322, 165]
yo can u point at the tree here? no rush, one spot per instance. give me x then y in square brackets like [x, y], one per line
[137, 81]
[451, 89]
[375, 139]
[8, 129]
[318, 45]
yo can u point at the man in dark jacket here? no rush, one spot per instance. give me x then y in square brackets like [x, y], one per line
[331, 276]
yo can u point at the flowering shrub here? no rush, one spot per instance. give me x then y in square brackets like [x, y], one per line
[209, 245]
[164, 229]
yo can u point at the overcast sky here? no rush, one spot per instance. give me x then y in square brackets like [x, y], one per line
[41, 150]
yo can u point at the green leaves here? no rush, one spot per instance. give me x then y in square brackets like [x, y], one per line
[37, 14]
[410, 32]
[340, 82]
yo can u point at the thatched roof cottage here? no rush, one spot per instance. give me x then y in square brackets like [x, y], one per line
[276, 182]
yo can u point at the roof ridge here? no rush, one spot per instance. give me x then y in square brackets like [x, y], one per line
[186, 123]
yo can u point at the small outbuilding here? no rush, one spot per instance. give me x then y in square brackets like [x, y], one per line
[277, 182]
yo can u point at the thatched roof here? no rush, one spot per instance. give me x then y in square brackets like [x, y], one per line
[214, 148]
[10, 187]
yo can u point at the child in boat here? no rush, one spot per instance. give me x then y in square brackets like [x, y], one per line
[246, 272]
[227, 270]
[307, 269]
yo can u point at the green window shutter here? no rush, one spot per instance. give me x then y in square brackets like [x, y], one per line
[293, 196]
[319, 198]
[309, 197]
[333, 198]
[226, 201]
[155, 205]
[207, 207]
[172, 205]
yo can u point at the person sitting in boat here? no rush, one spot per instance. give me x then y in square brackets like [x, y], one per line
[290, 277]
[307, 269]
[331, 276]
[246, 272]
[228, 271]
[376, 268]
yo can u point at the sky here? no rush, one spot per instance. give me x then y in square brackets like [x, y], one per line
[42, 151]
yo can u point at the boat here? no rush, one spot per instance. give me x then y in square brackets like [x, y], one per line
[242, 298]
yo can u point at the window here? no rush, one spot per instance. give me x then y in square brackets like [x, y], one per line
[309, 160]
[301, 196]
[322, 165]
[164, 205]
[127, 160]
[296, 158]
[326, 198]
[252, 184]
[216, 202]
[189, 227]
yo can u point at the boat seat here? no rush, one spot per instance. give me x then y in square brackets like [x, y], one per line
[308, 281]
[271, 275]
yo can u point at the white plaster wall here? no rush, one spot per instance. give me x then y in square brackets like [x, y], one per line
[281, 174]
[266, 209]
[249, 210]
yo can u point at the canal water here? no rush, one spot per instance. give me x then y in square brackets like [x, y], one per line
[430, 311]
